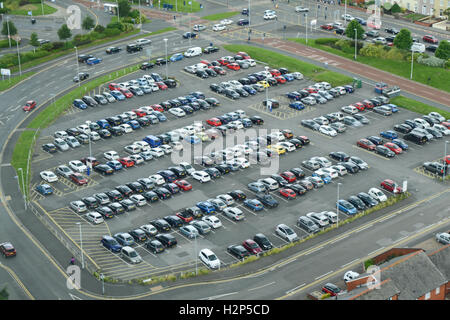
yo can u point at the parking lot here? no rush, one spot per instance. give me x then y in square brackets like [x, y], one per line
[399, 168]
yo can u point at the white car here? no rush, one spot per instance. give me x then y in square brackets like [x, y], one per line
[347, 17]
[325, 85]
[190, 130]
[84, 128]
[111, 155]
[421, 123]
[144, 146]
[166, 148]
[270, 16]
[290, 147]
[219, 27]
[301, 9]
[190, 69]
[286, 233]
[138, 199]
[327, 130]
[177, 146]
[244, 149]
[377, 194]
[149, 229]
[61, 144]
[209, 258]
[199, 27]
[350, 275]
[251, 62]
[437, 116]
[132, 149]
[330, 171]
[94, 136]
[182, 132]
[77, 166]
[241, 162]
[178, 112]
[72, 142]
[238, 124]
[48, 176]
[64, 171]
[440, 128]
[324, 162]
[187, 166]
[201, 176]
[332, 216]
[137, 158]
[297, 75]
[226, 198]
[341, 170]
[94, 217]
[349, 109]
[132, 115]
[212, 221]
[126, 128]
[226, 21]
[156, 152]
[278, 136]
[61, 134]
[157, 179]
[153, 86]
[143, 41]
[319, 218]
[234, 213]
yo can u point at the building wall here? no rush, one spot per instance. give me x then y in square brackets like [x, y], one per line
[435, 294]
[394, 251]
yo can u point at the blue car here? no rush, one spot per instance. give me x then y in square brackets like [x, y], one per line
[190, 98]
[288, 77]
[250, 90]
[115, 165]
[80, 104]
[206, 207]
[111, 244]
[198, 95]
[402, 144]
[92, 61]
[124, 239]
[103, 124]
[254, 204]
[134, 124]
[160, 116]
[393, 107]
[118, 95]
[349, 88]
[389, 134]
[296, 105]
[234, 116]
[346, 207]
[294, 95]
[44, 189]
[192, 139]
[176, 57]
[247, 123]
[325, 177]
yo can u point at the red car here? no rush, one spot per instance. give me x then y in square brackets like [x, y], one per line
[161, 85]
[219, 70]
[127, 93]
[446, 124]
[126, 162]
[430, 39]
[30, 105]
[92, 160]
[332, 289]
[311, 90]
[113, 86]
[390, 185]
[366, 144]
[214, 122]
[328, 26]
[184, 185]
[280, 79]
[368, 104]
[447, 159]
[157, 107]
[289, 176]
[360, 106]
[393, 147]
[234, 66]
[251, 246]
[223, 61]
[78, 179]
[275, 72]
[7, 249]
[186, 217]
[243, 55]
[206, 62]
[140, 113]
[288, 193]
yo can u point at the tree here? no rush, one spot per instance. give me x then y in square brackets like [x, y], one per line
[443, 51]
[34, 39]
[396, 8]
[124, 8]
[4, 294]
[64, 32]
[447, 13]
[12, 28]
[350, 31]
[88, 23]
[403, 39]
[99, 28]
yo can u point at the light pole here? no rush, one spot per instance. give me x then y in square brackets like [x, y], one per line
[306, 26]
[167, 72]
[18, 57]
[7, 26]
[102, 278]
[23, 188]
[345, 14]
[356, 40]
[337, 204]
[195, 256]
[267, 88]
[445, 154]
[118, 15]
[249, 13]
[81, 245]
[190, 29]
[42, 6]
[412, 63]
[140, 16]
[78, 67]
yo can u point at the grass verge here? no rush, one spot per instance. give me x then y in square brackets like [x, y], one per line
[220, 16]
[278, 60]
[6, 84]
[20, 156]
[417, 106]
[439, 77]
[34, 8]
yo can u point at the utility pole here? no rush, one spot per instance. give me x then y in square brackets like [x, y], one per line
[356, 39]
[337, 205]
[18, 57]
[306, 25]
[78, 67]
[81, 245]
[9, 36]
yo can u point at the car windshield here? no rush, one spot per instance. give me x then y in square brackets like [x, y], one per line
[253, 245]
[289, 231]
[212, 257]
[133, 254]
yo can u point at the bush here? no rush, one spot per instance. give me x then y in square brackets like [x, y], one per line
[396, 8]
[372, 50]
[23, 2]
[99, 28]
[115, 25]
[47, 46]
[431, 61]
[58, 45]
[395, 54]
[111, 32]
[79, 40]
[326, 41]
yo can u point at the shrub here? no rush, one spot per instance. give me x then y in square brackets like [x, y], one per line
[23, 2]
[79, 40]
[431, 61]
[396, 8]
[99, 28]
[326, 41]
[111, 32]
[443, 51]
[372, 50]
[395, 54]
[57, 45]
[115, 25]
[47, 46]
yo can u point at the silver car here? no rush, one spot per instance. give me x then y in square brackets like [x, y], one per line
[61, 144]
[201, 226]
[129, 254]
[64, 171]
[443, 238]
[189, 231]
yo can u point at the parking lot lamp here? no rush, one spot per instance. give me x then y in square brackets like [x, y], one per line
[412, 64]
[337, 205]
[167, 72]
[267, 88]
[356, 40]
[249, 14]
[445, 167]
[195, 256]
[23, 187]
[81, 245]
[18, 57]
[78, 66]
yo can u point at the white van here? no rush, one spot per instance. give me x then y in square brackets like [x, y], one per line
[174, 136]
[193, 52]
[200, 66]
[418, 47]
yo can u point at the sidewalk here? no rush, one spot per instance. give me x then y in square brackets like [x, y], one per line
[366, 71]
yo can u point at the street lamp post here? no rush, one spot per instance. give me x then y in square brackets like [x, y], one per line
[167, 72]
[306, 26]
[102, 278]
[249, 13]
[412, 64]
[267, 88]
[337, 205]
[195, 256]
[81, 245]
[78, 66]
[356, 40]
[18, 57]
[140, 16]
[445, 154]
[23, 188]
[7, 26]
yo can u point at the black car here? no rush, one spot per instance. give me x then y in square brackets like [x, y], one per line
[172, 187]
[241, 92]
[136, 187]
[368, 200]
[147, 65]
[376, 102]
[203, 104]
[339, 156]
[238, 251]
[299, 173]
[163, 193]
[178, 171]
[349, 166]
[281, 181]
[339, 30]
[237, 195]
[212, 102]
[174, 221]
[303, 139]
[124, 190]
[267, 200]
[116, 208]
[231, 94]
[84, 57]
[161, 225]
[216, 88]
[213, 173]
[416, 138]
[210, 49]
[170, 83]
[402, 128]
[103, 169]
[257, 120]
[391, 30]
[384, 151]
[81, 76]
[187, 109]
[138, 235]
[167, 240]
[155, 246]
[223, 168]
[106, 212]
[112, 50]
[357, 203]
[49, 147]
[150, 196]
[390, 39]
[89, 101]
[375, 140]
[188, 35]
[161, 61]
[262, 241]
[114, 195]
[211, 72]
[175, 103]
[116, 131]
[311, 124]
[133, 47]
[90, 202]
[128, 204]
[243, 22]
[114, 121]
[296, 188]
[104, 133]
[432, 48]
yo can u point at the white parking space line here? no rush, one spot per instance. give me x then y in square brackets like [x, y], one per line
[280, 238]
[233, 222]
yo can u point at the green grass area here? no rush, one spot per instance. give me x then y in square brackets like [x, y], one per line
[6, 83]
[5, 43]
[162, 31]
[177, 4]
[220, 16]
[20, 155]
[439, 77]
[277, 60]
[414, 16]
[36, 10]
[417, 106]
